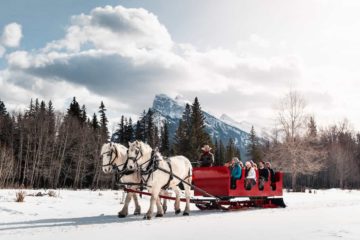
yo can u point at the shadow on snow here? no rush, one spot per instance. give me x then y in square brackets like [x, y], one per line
[92, 220]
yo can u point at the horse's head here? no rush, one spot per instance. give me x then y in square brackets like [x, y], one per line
[108, 155]
[134, 154]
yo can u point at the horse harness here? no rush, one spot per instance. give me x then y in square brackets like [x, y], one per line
[120, 172]
[153, 165]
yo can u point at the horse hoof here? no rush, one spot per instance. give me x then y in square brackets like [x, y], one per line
[159, 215]
[177, 211]
[146, 217]
[137, 213]
[164, 209]
[120, 215]
[186, 214]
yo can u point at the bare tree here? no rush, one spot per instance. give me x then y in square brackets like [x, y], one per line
[295, 152]
[342, 146]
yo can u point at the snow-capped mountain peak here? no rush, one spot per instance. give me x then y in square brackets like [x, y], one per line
[221, 129]
[245, 126]
[168, 106]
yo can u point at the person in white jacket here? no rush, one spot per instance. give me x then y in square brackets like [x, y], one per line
[250, 176]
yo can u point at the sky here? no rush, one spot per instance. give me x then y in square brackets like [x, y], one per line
[238, 56]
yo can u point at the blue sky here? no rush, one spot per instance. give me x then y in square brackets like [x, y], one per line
[238, 56]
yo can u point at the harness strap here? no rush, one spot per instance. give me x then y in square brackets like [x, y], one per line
[171, 176]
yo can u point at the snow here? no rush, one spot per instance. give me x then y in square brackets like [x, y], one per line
[328, 214]
[245, 126]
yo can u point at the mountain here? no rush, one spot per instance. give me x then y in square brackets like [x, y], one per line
[245, 126]
[171, 110]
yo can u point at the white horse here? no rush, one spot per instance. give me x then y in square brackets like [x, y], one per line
[114, 156]
[141, 158]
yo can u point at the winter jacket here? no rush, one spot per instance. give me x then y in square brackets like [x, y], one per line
[236, 171]
[264, 173]
[272, 175]
[206, 159]
[251, 174]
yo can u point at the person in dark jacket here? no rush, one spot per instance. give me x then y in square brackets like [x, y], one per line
[272, 175]
[206, 158]
[263, 175]
[236, 172]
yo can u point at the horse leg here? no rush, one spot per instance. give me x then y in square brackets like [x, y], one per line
[164, 204]
[177, 200]
[124, 211]
[122, 198]
[187, 196]
[153, 199]
[137, 205]
[160, 210]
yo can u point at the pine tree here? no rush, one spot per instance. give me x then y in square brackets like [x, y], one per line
[165, 143]
[222, 152]
[120, 132]
[42, 107]
[74, 109]
[103, 121]
[312, 128]
[129, 132]
[150, 128]
[51, 116]
[183, 134]
[83, 116]
[31, 111]
[231, 150]
[37, 105]
[199, 136]
[216, 152]
[94, 122]
[3, 111]
[5, 125]
[139, 131]
[253, 148]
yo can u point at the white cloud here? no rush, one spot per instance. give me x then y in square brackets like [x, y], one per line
[12, 35]
[126, 56]
[2, 51]
[19, 59]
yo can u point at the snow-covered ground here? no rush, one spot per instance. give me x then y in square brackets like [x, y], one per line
[330, 214]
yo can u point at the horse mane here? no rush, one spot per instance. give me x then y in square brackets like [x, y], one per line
[145, 148]
[121, 149]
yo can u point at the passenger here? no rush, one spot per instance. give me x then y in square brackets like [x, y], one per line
[272, 175]
[263, 175]
[235, 171]
[255, 166]
[228, 164]
[242, 168]
[241, 165]
[250, 176]
[206, 158]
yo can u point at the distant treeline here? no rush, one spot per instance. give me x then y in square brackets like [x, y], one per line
[44, 148]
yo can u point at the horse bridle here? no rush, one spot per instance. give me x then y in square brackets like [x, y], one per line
[111, 162]
[135, 159]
